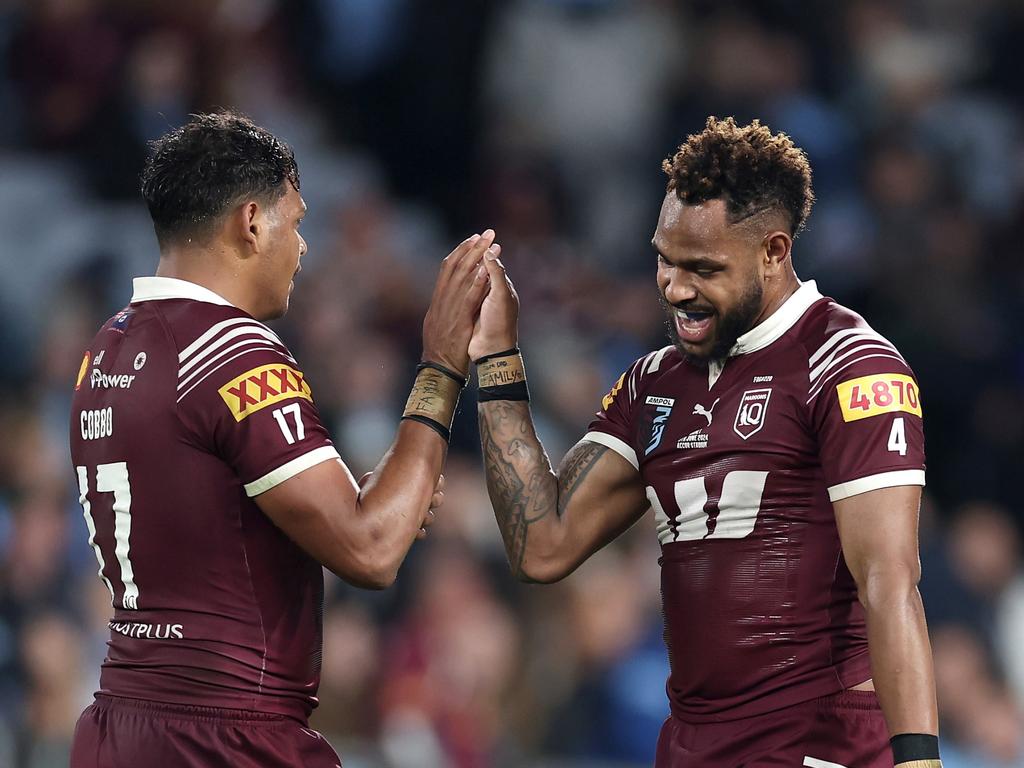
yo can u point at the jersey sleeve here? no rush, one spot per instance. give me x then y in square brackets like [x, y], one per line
[613, 425]
[865, 405]
[255, 410]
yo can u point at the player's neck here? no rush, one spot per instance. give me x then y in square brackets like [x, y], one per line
[777, 294]
[209, 268]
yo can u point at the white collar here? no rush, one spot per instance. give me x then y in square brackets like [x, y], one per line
[159, 288]
[781, 320]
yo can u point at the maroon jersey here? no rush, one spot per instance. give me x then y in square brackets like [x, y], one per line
[742, 462]
[185, 408]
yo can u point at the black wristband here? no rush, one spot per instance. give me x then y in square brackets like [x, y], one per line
[437, 426]
[908, 747]
[506, 353]
[517, 391]
[457, 377]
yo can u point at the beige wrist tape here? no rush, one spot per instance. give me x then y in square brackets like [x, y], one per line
[498, 371]
[920, 764]
[434, 396]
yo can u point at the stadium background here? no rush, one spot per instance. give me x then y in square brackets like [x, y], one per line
[416, 123]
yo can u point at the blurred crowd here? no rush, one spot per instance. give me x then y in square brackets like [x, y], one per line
[417, 122]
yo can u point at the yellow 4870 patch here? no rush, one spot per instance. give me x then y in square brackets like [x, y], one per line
[874, 395]
[256, 389]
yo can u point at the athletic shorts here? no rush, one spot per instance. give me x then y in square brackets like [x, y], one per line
[116, 732]
[845, 730]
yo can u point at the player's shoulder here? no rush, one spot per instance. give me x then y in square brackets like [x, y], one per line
[829, 330]
[840, 345]
[643, 371]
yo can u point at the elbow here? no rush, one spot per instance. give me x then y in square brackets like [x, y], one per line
[372, 576]
[891, 584]
[539, 571]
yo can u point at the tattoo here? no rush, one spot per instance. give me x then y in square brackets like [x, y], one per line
[575, 467]
[520, 482]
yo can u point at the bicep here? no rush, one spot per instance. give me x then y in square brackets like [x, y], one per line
[600, 495]
[311, 509]
[879, 529]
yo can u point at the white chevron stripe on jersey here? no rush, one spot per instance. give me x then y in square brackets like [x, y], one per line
[216, 329]
[836, 371]
[216, 368]
[257, 331]
[654, 362]
[852, 345]
[257, 342]
[834, 339]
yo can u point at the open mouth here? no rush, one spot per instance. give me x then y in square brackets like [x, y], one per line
[693, 326]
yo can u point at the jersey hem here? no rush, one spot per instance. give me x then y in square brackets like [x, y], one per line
[616, 444]
[290, 469]
[874, 482]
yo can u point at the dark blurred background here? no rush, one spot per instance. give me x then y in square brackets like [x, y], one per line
[417, 123]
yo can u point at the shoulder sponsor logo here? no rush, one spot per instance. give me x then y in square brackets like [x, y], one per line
[254, 390]
[752, 412]
[100, 380]
[868, 396]
[82, 370]
[608, 399]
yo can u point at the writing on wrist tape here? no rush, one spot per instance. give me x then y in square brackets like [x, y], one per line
[434, 397]
[915, 750]
[502, 377]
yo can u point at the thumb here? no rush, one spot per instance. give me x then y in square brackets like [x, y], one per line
[496, 273]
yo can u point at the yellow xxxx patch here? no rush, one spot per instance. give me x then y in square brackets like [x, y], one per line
[869, 396]
[256, 389]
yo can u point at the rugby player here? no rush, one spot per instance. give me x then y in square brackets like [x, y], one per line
[211, 489]
[778, 441]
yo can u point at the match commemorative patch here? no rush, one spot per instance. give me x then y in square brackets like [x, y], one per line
[256, 389]
[869, 396]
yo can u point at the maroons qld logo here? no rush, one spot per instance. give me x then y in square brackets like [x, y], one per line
[659, 409]
[751, 414]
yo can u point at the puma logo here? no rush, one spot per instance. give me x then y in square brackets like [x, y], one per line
[700, 410]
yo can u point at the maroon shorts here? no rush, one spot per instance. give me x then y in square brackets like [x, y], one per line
[127, 733]
[845, 730]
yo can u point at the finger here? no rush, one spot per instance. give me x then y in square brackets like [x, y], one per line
[421, 534]
[437, 500]
[496, 272]
[428, 519]
[481, 282]
[469, 261]
[453, 259]
[439, 485]
[364, 479]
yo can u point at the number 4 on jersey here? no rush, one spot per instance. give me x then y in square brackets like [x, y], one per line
[898, 437]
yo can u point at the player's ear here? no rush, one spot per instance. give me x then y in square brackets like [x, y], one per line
[250, 224]
[775, 250]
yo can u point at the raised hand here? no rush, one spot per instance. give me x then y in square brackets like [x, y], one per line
[497, 327]
[461, 286]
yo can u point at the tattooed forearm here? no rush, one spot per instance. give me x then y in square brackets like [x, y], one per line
[523, 489]
[519, 477]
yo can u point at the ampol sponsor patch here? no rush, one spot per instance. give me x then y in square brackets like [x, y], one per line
[256, 389]
[868, 396]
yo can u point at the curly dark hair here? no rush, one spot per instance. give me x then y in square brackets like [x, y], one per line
[749, 167]
[198, 171]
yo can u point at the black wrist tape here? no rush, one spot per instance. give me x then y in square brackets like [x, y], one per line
[437, 426]
[517, 391]
[915, 750]
[506, 353]
[457, 377]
